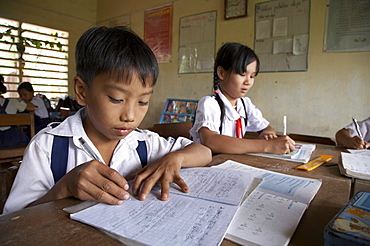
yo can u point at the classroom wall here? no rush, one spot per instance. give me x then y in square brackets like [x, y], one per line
[74, 17]
[317, 102]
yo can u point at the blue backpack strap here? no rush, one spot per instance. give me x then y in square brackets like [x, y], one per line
[142, 151]
[59, 157]
[2, 108]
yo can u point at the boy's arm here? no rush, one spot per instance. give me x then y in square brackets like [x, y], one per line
[343, 138]
[219, 143]
[267, 133]
[90, 181]
[167, 170]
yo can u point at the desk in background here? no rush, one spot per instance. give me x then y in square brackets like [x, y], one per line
[49, 224]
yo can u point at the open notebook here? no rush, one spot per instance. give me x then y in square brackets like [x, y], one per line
[200, 217]
[302, 154]
[271, 212]
[355, 165]
[249, 205]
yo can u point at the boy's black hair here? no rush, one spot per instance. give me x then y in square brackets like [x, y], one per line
[233, 57]
[25, 85]
[117, 51]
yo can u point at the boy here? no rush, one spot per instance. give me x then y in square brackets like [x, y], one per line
[116, 72]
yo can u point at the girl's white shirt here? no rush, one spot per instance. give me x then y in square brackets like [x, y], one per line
[14, 106]
[208, 115]
[34, 178]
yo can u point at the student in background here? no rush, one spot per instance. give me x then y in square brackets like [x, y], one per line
[223, 118]
[116, 72]
[26, 93]
[349, 137]
[12, 135]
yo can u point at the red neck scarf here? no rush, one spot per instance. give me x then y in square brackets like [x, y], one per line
[239, 128]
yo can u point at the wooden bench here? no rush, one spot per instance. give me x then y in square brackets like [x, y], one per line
[10, 156]
[175, 130]
[312, 139]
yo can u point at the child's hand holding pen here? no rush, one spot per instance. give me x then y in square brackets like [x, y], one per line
[357, 142]
[95, 181]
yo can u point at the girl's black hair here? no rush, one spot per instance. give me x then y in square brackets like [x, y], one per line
[232, 57]
[25, 85]
[117, 51]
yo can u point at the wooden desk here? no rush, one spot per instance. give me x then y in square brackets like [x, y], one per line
[48, 224]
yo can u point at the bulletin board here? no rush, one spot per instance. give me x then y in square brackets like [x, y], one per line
[282, 35]
[347, 26]
[197, 42]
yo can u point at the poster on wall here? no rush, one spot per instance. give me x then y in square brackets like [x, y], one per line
[197, 42]
[158, 32]
[347, 26]
[282, 35]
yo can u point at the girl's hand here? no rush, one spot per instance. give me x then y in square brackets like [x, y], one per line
[164, 171]
[281, 145]
[268, 133]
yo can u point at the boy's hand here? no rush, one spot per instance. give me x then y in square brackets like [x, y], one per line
[164, 171]
[97, 182]
[280, 145]
[357, 143]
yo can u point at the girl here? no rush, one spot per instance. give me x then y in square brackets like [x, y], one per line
[223, 118]
[26, 93]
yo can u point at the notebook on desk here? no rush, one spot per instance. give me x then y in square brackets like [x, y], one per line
[200, 217]
[244, 203]
[302, 154]
[271, 212]
[355, 165]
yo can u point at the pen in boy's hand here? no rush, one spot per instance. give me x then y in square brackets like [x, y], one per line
[88, 150]
[357, 127]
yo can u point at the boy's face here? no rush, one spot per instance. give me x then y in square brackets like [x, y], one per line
[114, 109]
[25, 95]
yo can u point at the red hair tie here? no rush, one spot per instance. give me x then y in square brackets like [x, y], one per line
[216, 91]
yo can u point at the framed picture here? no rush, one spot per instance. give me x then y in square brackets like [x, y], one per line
[235, 9]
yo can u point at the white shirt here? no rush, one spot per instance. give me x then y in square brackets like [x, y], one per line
[14, 106]
[208, 115]
[364, 129]
[41, 110]
[34, 178]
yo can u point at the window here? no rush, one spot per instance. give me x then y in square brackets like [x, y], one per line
[35, 54]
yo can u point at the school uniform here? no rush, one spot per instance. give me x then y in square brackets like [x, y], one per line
[35, 177]
[208, 115]
[41, 114]
[364, 129]
[12, 135]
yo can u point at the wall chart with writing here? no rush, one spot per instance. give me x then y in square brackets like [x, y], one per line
[282, 35]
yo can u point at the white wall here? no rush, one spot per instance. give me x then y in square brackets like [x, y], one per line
[317, 102]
